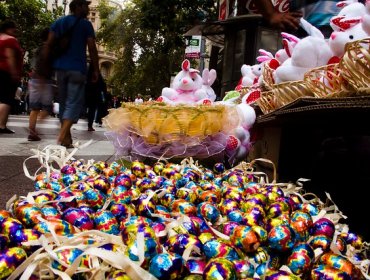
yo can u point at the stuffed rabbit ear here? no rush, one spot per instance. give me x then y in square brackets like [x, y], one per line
[342, 4]
[263, 58]
[265, 53]
[310, 29]
[185, 65]
[288, 47]
[246, 69]
[290, 37]
[212, 76]
[205, 76]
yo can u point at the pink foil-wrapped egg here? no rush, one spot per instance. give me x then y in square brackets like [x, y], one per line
[323, 226]
[78, 218]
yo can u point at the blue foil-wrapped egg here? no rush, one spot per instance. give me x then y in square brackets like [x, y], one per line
[301, 259]
[281, 238]
[167, 266]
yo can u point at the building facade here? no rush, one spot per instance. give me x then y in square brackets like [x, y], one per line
[106, 58]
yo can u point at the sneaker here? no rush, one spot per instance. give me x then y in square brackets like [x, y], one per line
[6, 131]
[90, 129]
[33, 137]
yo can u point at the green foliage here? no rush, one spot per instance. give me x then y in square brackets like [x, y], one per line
[148, 37]
[31, 17]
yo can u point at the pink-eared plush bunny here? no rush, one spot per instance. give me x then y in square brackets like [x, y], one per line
[209, 76]
[186, 87]
[338, 39]
[310, 52]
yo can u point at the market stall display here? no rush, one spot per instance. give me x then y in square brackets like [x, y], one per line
[102, 220]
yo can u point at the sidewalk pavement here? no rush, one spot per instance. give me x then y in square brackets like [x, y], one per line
[15, 149]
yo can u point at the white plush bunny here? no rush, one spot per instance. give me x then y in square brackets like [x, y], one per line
[247, 76]
[209, 76]
[186, 87]
[310, 52]
[239, 143]
[338, 39]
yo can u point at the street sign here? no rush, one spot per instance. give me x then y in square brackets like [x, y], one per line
[193, 47]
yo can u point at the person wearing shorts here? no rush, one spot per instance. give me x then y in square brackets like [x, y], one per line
[40, 90]
[71, 66]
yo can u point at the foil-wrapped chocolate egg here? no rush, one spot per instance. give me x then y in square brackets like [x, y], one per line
[220, 268]
[217, 249]
[196, 266]
[228, 227]
[28, 214]
[184, 207]
[219, 168]
[105, 221]
[25, 235]
[301, 222]
[145, 248]
[244, 269]
[328, 273]
[78, 218]
[122, 211]
[10, 259]
[208, 211]
[68, 256]
[301, 259]
[68, 169]
[245, 239]
[102, 184]
[60, 227]
[281, 238]
[323, 226]
[180, 242]
[124, 180]
[9, 226]
[50, 212]
[117, 275]
[167, 266]
[138, 169]
[320, 241]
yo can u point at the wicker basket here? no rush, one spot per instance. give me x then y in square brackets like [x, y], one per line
[287, 92]
[268, 76]
[328, 81]
[267, 102]
[356, 65]
[160, 123]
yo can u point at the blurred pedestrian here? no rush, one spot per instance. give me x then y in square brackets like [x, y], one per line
[71, 66]
[103, 101]
[139, 99]
[40, 88]
[92, 99]
[11, 64]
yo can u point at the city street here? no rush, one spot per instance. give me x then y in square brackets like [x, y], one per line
[15, 149]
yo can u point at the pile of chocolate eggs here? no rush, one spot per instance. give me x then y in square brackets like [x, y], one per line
[180, 221]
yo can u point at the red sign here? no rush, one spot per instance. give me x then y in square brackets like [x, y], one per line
[192, 55]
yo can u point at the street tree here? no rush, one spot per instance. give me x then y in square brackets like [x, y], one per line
[31, 17]
[147, 36]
